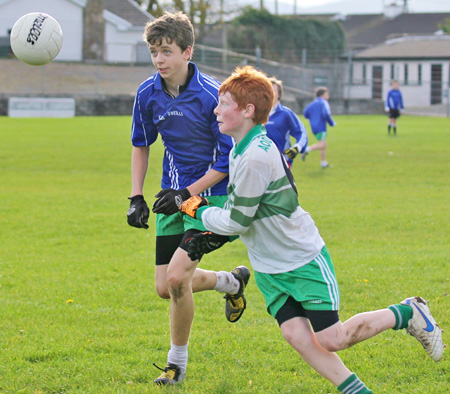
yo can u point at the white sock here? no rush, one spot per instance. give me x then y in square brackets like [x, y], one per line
[308, 149]
[226, 283]
[178, 355]
[324, 163]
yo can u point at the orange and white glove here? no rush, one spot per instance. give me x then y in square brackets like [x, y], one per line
[190, 206]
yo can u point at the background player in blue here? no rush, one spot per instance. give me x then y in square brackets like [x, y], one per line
[393, 106]
[319, 114]
[284, 123]
[177, 103]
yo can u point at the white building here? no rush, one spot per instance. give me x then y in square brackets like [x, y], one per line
[420, 63]
[124, 26]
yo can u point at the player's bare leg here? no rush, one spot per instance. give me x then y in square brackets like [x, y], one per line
[298, 333]
[202, 280]
[179, 278]
[321, 146]
[356, 329]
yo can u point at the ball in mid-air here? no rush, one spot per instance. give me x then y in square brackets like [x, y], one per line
[36, 38]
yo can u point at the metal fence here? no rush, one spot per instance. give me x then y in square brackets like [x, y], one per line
[300, 80]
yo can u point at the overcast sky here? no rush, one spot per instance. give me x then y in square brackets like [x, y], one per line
[348, 6]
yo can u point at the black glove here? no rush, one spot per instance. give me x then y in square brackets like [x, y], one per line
[138, 213]
[169, 200]
[203, 243]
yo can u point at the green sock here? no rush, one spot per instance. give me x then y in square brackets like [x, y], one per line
[403, 314]
[353, 385]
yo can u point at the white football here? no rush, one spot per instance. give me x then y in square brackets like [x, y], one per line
[36, 38]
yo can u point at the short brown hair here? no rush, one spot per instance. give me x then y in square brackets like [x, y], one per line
[279, 83]
[173, 27]
[321, 91]
[248, 85]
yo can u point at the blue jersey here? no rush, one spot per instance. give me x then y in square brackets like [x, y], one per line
[319, 114]
[188, 128]
[394, 100]
[284, 123]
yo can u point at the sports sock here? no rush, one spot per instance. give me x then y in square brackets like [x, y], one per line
[308, 149]
[324, 163]
[226, 283]
[178, 355]
[389, 129]
[353, 385]
[395, 130]
[403, 314]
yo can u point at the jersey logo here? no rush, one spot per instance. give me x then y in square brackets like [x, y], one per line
[175, 113]
[265, 143]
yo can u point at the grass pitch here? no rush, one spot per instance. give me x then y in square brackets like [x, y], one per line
[78, 310]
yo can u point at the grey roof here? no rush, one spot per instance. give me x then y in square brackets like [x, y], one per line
[367, 30]
[128, 10]
[433, 47]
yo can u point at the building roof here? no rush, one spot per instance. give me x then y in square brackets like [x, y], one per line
[129, 11]
[411, 47]
[363, 31]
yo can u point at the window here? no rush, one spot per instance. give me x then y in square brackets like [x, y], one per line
[419, 74]
[406, 76]
[392, 71]
[364, 74]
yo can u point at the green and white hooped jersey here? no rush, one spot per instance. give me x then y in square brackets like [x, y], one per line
[263, 209]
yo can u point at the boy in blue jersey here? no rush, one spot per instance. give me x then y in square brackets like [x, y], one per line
[292, 266]
[319, 114]
[177, 103]
[284, 123]
[394, 106]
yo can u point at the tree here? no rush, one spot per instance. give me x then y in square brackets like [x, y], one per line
[94, 30]
[283, 38]
[201, 12]
[445, 27]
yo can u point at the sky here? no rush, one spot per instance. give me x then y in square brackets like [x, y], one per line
[348, 6]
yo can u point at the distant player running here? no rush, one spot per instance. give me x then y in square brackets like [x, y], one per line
[293, 268]
[319, 114]
[394, 106]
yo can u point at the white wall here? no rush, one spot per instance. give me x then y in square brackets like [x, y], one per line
[414, 94]
[69, 14]
[120, 46]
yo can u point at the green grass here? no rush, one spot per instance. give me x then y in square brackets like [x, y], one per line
[78, 310]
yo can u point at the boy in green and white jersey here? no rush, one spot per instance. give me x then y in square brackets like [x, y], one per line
[293, 268]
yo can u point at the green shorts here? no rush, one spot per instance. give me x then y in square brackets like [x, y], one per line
[321, 136]
[179, 223]
[314, 285]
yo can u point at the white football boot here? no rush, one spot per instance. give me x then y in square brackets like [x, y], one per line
[424, 328]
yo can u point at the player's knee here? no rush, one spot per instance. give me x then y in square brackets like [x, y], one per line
[162, 290]
[332, 344]
[292, 337]
[177, 285]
